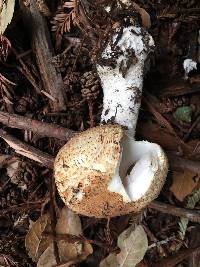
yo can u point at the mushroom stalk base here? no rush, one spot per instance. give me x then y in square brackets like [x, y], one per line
[121, 72]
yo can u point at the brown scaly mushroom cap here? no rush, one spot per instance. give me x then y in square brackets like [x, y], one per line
[103, 172]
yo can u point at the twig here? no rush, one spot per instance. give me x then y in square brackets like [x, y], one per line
[179, 89]
[41, 42]
[22, 207]
[27, 150]
[41, 128]
[53, 130]
[173, 260]
[73, 238]
[54, 218]
[27, 73]
[177, 163]
[186, 137]
[162, 242]
[176, 211]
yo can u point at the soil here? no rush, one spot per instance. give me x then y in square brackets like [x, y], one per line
[75, 36]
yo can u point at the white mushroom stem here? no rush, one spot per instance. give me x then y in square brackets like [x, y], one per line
[121, 72]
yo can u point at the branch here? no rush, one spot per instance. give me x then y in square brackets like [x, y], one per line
[52, 130]
[41, 128]
[173, 260]
[176, 211]
[177, 163]
[27, 150]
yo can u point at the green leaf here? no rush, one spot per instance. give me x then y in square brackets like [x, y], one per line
[133, 244]
[184, 114]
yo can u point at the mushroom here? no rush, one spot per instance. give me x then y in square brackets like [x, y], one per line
[104, 172]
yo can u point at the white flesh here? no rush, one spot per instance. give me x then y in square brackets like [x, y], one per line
[146, 158]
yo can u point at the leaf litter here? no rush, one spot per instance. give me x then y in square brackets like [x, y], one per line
[41, 249]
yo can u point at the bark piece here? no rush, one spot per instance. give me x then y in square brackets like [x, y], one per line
[41, 43]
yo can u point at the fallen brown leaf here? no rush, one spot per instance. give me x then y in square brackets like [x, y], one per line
[68, 223]
[184, 183]
[34, 242]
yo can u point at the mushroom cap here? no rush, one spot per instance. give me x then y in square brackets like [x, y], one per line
[85, 166]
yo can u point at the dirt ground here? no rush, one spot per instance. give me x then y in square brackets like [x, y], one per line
[48, 51]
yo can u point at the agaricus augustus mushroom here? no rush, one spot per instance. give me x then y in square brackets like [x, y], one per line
[104, 172]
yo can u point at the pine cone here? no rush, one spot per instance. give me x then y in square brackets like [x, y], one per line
[90, 86]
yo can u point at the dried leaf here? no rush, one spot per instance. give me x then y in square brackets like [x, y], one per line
[13, 168]
[68, 223]
[34, 242]
[133, 244]
[110, 261]
[47, 259]
[6, 14]
[146, 20]
[184, 183]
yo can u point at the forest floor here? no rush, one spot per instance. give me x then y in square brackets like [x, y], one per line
[49, 89]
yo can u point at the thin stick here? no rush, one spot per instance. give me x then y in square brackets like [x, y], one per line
[73, 239]
[22, 207]
[177, 163]
[190, 214]
[173, 260]
[52, 130]
[41, 128]
[27, 150]
[53, 218]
